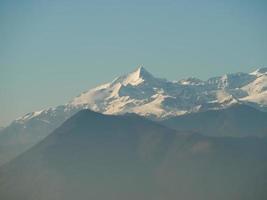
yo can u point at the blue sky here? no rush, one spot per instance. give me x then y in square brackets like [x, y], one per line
[51, 50]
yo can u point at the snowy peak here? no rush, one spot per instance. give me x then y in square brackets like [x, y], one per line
[260, 71]
[142, 72]
[235, 80]
[137, 77]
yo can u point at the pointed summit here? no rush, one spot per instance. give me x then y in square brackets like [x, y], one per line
[142, 72]
[137, 77]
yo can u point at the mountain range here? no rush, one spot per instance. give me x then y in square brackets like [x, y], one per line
[140, 92]
[96, 156]
[154, 98]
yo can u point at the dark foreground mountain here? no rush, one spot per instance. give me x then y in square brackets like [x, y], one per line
[235, 121]
[95, 156]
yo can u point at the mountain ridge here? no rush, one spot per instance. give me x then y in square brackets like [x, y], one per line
[121, 91]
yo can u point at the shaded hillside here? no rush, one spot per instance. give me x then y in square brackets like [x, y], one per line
[235, 121]
[95, 156]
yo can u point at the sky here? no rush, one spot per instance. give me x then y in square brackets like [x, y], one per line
[51, 50]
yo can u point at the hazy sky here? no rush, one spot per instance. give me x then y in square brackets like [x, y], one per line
[51, 50]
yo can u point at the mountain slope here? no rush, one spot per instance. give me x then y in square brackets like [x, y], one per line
[24, 133]
[235, 121]
[94, 156]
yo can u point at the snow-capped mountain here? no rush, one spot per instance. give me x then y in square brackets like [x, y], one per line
[141, 93]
